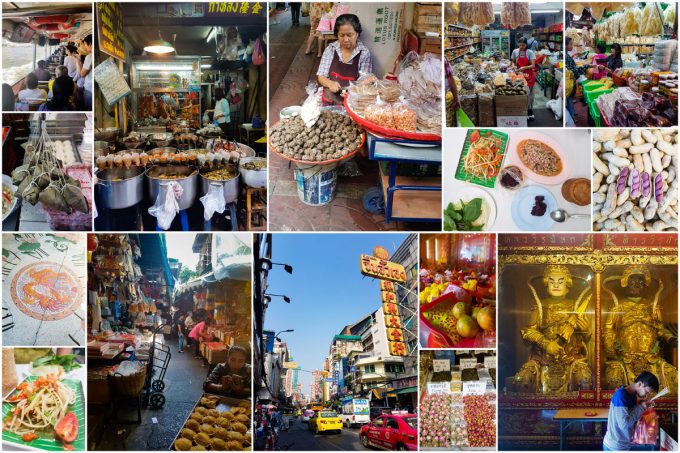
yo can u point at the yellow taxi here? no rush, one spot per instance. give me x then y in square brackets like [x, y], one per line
[325, 420]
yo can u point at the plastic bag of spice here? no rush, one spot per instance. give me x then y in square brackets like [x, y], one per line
[486, 110]
[469, 105]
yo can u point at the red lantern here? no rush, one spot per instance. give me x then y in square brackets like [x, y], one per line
[92, 242]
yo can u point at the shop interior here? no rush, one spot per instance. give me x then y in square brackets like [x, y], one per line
[609, 348]
[149, 389]
[626, 64]
[457, 290]
[377, 180]
[487, 87]
[458, 400]
[180, 102]
[35, 38]
[36, 143]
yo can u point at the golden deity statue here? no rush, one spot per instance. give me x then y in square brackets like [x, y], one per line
[634, 332]
[557, 336]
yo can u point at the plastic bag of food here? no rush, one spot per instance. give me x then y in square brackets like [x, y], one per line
[630, 27]
[647, 428]
[388, 90]
[166, 206]
[476, 13]
[380, 113]
[669, 16]
[469, 105]
[405, 119]
[311, 108]
[213, 201]
[74, 198]
[650, 24]
[451, 11]
[486, 110]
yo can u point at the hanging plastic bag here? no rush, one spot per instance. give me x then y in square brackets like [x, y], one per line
[647, 428]
[311, 108]
[166, 207]
[258, 53]
[213, 201]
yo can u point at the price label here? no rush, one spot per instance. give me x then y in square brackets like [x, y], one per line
[468, 363]
[474, 387]
[490, 361]
[511, 121]
[441, 365]
[438, 388]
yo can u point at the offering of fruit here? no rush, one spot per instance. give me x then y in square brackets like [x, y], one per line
[467, 327]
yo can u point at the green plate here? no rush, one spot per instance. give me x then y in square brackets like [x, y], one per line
[463, 175]
[47, 441]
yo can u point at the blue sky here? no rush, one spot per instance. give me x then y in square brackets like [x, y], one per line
[326, 288]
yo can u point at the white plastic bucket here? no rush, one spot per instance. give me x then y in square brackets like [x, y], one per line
[316, 184]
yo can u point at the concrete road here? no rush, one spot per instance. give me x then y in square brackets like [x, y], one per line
[298, 437]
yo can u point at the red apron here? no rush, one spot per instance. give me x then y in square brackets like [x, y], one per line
[529, 74]
[343, 73]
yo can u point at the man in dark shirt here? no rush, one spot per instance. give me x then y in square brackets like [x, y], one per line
[41, 72]
[231, 378]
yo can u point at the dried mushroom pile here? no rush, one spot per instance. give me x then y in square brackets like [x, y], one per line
[333, 136]
[42, 179]
[635, 181]
[208, 428]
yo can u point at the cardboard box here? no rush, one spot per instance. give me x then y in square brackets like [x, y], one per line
[511, 105]
[420, 43]
[427, 9]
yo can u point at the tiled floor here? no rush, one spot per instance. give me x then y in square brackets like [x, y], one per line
[291, 71]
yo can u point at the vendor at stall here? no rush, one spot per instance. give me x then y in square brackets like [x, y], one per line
[576, 71]
[343, 60]
[613, 61]
[231, 378]
[524, 59]
[222, 114]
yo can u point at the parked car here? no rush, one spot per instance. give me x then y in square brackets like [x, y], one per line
[306, 415]
[376, 411]
[325, 421]
[391, 432]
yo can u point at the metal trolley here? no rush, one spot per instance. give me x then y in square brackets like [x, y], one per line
[159, 358]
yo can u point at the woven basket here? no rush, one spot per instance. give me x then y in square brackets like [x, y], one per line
[76, 220]
[131, 385]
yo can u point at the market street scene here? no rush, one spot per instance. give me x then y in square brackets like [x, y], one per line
[355, 116]
[169, 342]
[47, 171]
[180, 111]
[457, 294]
[335, 370]
[504, 64]
[586, 317]
[47, 57]
[622, 64]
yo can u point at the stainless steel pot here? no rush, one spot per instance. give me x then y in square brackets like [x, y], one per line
[120, 188]
[229, 187]
[188, 183]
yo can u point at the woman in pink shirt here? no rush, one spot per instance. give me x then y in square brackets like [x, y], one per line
[198, 333]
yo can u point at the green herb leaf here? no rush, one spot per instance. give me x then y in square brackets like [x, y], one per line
[472, 210]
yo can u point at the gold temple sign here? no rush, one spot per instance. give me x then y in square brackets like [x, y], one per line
[641, 241]
[388, 297]
[381, 269]
[387, 286]
[541, 242]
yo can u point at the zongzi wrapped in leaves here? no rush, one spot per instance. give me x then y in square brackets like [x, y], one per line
[31, 193]
[41, 176]
[19, 173]
[52, 198]
[75, 199]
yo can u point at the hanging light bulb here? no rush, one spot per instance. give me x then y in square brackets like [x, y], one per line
[159, 46]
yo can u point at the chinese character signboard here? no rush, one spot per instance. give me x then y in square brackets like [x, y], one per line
[235, 9]
[382, 269]
[110, 29]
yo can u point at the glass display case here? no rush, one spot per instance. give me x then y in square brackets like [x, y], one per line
[580, 316]
[167, 89]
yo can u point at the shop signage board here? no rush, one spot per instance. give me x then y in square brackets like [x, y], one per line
[111, 82]
[438, 388]
[405, 382]
[225, 9]
[474, 387]
[110, 29]
[468, 363]
[290, 365]
[381, 269]
[441, 365]
[490, 361]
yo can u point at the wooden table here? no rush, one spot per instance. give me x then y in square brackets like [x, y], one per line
[247, 130]
[326, 38]
[569, 415]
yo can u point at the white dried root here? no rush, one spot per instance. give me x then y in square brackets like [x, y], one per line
[619, 207]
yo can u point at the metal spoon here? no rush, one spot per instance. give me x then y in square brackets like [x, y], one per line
[560, 215]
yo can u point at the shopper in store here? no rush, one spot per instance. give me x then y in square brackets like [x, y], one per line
[222, 114]
[343, 60]
[181, 332]
[525, 61]
[613, 61]
[188, 325]
[31, 91]
[577, 72]
[199, 332]
[41, 72]
[533, 43]
[231, 378]
[597, 59]
[626, 407]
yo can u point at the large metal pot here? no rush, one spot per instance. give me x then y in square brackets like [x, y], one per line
[256, 179]
[120, 188]
[188, 182]
[229, 187]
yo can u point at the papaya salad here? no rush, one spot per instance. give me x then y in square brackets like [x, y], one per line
[42, 406]
[483, 159]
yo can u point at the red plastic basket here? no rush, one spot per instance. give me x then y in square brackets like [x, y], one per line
[619, 81]
[76, 220]
[390, 133]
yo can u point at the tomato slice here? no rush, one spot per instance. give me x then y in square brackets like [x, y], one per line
[67, 428]
[474, 136]
[28, 437]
